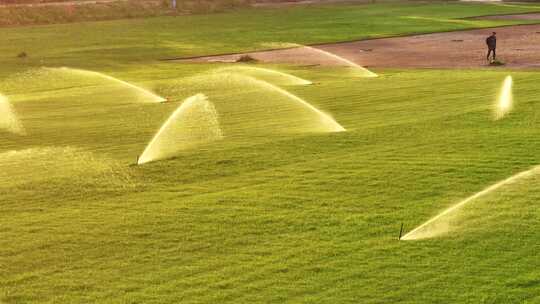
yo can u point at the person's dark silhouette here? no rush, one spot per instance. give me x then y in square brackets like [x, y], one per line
[491, 42]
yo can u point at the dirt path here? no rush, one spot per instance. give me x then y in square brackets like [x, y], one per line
[531, 16]
[518, 47]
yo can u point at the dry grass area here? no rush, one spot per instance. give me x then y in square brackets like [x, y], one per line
[35, 12]
[72, 12]
[18, 2]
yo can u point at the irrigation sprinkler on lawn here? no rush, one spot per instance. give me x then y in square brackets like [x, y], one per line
[505, 99]
[400, 232]
[193, 123]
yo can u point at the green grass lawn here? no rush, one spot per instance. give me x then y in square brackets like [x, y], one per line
[113, 44]
[262, 216]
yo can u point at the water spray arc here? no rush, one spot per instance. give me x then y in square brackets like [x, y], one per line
[249, 106]
[193, 123]
[8, 117]
[325, 119]
[363, 72]
[505, 99]
[423, 231]
[144, 93]
[281, 77]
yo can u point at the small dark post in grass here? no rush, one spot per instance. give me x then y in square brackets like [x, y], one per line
[400, 231]
[246, 58]
[496, 62]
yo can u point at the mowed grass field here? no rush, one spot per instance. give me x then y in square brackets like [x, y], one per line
[297, 218]
[113, 44]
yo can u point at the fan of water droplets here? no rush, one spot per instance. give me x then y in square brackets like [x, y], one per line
[250, 107]
[8, 119]
[266, 74]
[195, 122]
[49, 79]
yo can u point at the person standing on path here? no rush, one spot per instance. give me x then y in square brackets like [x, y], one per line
[491, 42]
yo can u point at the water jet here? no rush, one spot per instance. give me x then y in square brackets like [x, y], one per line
[250, 107]
[47, 79]
[325, 119]
[360, 70]
[143, 93]
[438, 224]
[271, 75]
[8, 118]
[505, 99]
[193, 123]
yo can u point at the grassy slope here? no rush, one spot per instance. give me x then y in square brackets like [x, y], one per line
[298, 219]
[113, 43]
[311, 218]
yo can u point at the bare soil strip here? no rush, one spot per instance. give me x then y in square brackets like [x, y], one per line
[531, 16]
[517, 46]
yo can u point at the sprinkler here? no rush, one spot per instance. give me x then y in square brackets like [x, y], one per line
[284, 78]
[430, 228]
[400, 232]
[504, 100]
[8, 117]
[143, 94]
[194, 122]
[363, 72]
